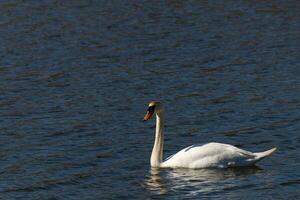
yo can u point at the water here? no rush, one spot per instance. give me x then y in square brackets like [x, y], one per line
[76, 77]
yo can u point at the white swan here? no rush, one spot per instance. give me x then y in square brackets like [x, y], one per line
[209, 155]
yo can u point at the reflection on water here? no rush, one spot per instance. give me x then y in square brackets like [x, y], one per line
[203, 181]
[154, 182]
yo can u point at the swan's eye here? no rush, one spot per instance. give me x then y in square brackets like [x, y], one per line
[151, 109]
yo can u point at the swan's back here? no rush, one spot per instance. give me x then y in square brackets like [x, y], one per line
[211, 155]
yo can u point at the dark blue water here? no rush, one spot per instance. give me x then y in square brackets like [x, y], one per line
[76, 77]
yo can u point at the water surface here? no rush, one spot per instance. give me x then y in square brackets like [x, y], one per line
[76, 77]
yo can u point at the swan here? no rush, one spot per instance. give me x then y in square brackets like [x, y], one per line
[211, 155]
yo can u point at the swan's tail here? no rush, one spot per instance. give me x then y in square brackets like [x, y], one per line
[261, 155]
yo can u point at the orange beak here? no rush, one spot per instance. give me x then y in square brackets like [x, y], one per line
[148, 115]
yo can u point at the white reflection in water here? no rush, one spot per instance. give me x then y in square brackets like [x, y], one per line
[193, 182]
[154, 182]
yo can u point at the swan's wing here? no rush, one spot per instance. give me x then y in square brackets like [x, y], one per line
[209, 155]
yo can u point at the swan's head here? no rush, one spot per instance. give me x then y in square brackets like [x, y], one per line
[154, 107]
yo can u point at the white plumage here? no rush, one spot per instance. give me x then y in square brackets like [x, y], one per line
[211, 155]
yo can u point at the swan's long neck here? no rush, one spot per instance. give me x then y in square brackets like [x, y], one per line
[157, 151]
